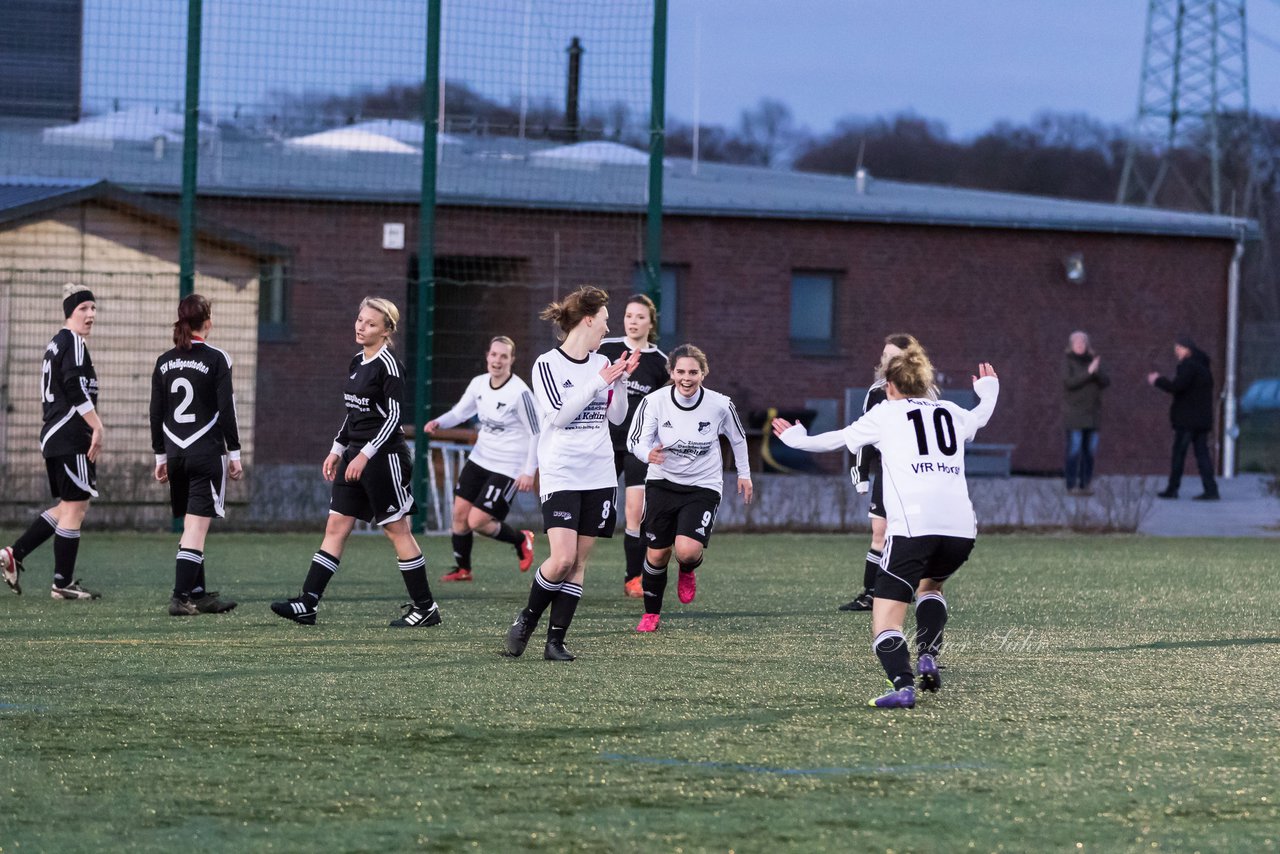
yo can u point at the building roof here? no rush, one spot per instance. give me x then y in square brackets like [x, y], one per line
[25, 197]
[492, 171]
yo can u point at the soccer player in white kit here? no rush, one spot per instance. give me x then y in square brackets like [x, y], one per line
[580, 392]
[502, 463]
[931, 526]
[677, 430]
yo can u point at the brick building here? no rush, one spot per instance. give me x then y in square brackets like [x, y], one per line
[788, 281]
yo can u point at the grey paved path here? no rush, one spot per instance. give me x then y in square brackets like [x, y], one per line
[1246, 510]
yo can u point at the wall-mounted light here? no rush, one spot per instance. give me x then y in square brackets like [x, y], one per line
[1073, 268]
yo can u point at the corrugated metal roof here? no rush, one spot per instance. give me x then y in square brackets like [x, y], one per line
[500, 172]
[19, 193]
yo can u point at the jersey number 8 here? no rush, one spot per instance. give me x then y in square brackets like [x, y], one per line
[944, 430]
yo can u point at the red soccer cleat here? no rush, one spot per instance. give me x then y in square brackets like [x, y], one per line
[687, 587]
[458, 574]
[526, 550]
[648, 623]
[634, 588]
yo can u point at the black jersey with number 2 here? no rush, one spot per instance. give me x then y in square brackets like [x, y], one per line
[68, 391]
[374, 395]
[193, 408]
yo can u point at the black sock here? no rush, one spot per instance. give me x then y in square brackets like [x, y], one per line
[65, 546]
[414, 572]
[931, 619]
[566, 602]
[689, 567]
[654, 582]
[895, 658]
[41, 529]
[541, 594]
[872, 567]
[197, 589]
[186, 571]
[509, 535]
[323, 567]
[462, 550]
[633, 548]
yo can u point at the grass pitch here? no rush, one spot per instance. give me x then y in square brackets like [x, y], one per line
[1101, 693]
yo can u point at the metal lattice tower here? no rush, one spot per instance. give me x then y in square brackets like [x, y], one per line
[1195, 71]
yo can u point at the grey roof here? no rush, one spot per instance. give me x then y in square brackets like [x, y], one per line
[500, 172]
[24, 196]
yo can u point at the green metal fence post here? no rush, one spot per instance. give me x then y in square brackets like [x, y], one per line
[657, 146]
[426, 283]
[190, 154]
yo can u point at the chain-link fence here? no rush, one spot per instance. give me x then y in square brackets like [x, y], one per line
[308, 161]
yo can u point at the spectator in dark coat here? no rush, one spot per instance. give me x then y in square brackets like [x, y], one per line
[1191, 415]
[1082, 382]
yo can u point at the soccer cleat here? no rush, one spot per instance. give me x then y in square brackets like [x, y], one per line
[930, 677]
[418, 616]
[182, 606]
[1168, 493]
[525, 550]
[518, 635]
[209, 603]
[861, 602]
[687, 586]
[555, 651]
[633, 588]
[10, 567]
[300, 610]
[903, 698]
[73, 591]
[1208, 496]
[458, 574]
[648, 623]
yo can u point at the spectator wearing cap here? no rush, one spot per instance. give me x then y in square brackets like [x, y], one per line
[1191, 414]
[1082, 381]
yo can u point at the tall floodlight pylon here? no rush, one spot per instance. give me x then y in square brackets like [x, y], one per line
[1195, 71]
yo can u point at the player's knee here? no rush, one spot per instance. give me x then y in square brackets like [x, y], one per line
[478, 520]
[689, 553]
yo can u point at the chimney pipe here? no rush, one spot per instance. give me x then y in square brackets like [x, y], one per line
[572, 125]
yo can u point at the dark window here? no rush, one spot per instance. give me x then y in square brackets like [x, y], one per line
[273, 301]
[669, 304]
[813, 307]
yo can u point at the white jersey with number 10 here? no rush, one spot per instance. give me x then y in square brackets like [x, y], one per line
[921, 444]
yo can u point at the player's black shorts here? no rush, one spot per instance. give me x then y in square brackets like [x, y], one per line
[382, 494]
[908, 560]
[672, 510]
[590, 512]
[877, 497]
[488, 490]
[629, 468]
[72, 477]
[198, 485]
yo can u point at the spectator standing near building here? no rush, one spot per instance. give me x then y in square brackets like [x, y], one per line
[1082, 381]
[1190, 414]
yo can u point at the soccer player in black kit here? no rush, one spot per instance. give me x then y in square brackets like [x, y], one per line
[640, 323]
[70, 442]
[370, 466]
[197, 444]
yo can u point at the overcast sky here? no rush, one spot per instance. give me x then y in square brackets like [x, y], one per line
[967, 64]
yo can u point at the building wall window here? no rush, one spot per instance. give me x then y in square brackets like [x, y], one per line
[273, 301]
[668, 305]
[813, 309]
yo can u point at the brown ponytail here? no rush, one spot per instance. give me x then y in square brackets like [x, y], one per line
[911, 372]
[585, 302]
[193, 312]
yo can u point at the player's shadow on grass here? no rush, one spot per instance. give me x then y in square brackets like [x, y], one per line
[1193, 644]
